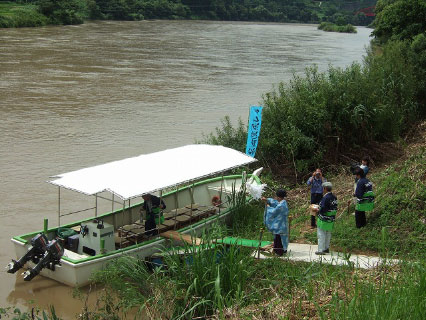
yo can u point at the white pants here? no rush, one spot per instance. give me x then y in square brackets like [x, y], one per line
[324, 238]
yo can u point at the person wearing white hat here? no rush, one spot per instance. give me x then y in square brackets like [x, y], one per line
[326, 215]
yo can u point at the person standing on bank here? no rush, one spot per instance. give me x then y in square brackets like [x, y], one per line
[154, 214]
[326, 216]
[365, 162]
[316, 182]
[364, 197]
[276, 220]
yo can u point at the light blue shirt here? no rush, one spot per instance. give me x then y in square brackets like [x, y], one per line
[316, 184]
[275, 217]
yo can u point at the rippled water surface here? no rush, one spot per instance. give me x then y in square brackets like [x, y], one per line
[77, 96]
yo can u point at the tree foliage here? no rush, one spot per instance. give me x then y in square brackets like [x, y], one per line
[63, 11]
[336, 11]
[331, 27]
[399, 19]
[316, 117]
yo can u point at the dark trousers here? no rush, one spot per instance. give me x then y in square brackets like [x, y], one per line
[313, 221]
[360, 219]
[150, 227]
[315, 199]
[278, 245]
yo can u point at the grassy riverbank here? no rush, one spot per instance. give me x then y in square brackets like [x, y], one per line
[219, 283]
[327, 120]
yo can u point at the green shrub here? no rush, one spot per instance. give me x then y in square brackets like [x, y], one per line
[6, 22]
[14, 15]
[331, 27]
[399, 19]
[64, 11]
[313, 118]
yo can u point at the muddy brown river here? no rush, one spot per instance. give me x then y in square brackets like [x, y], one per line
[76, 96]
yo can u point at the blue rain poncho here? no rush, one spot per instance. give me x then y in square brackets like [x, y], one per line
[275, 217]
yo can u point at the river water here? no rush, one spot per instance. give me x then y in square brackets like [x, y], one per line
[76, 96]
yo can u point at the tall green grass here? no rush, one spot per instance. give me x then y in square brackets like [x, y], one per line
[395, 296]
[35, 314]
[400, 208]
[210, 279]
[229, 284]
[193, 283]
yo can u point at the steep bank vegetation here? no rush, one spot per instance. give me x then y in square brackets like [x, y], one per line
[222, 283]
[76, 11]
[322, 119]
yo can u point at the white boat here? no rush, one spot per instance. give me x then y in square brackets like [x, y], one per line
[175, 175]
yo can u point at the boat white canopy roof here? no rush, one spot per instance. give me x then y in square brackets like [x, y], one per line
[147, 173]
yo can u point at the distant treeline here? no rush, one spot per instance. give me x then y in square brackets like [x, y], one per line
[341, 12]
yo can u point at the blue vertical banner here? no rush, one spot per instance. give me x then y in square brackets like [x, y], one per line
[255, 122]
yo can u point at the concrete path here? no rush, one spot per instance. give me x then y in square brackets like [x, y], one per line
[306, 252]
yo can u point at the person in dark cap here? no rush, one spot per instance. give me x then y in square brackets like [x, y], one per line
[153, 207]
[326, 215]
[364, 197]
[276, 220]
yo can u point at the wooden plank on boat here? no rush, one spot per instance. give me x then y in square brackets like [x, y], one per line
[182, 211]
[164, 228]
[168, 215]
[174, 235]
[183, 218]
[178, 212]
[139, 230]
[205, 211]
[168, 223]
[194, 206]
[130, 227]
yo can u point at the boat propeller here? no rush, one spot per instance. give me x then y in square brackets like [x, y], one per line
[44, 253]
[34, 253]
[51, 257]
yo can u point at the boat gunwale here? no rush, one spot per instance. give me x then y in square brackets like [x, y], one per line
[20, 239]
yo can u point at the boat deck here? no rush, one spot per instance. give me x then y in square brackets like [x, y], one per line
[131, 234]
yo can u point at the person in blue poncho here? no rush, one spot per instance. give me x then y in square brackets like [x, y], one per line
[276, 220]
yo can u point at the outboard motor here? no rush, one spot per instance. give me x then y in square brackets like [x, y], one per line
[37, 250]
[51, 257]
